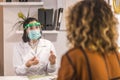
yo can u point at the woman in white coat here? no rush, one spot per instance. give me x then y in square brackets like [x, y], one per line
[34, 56]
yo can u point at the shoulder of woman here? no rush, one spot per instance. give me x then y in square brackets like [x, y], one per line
[20, 44]
[119, 55]
[45, 41]
[74, 52]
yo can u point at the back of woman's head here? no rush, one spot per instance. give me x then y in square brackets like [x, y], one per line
[92, 25]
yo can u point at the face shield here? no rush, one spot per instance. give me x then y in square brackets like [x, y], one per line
[32, 24]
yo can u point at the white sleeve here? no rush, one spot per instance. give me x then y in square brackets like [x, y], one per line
[19, 66]
[52, 68]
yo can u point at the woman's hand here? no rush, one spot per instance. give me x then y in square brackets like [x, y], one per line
[33, 61]
[52, 58]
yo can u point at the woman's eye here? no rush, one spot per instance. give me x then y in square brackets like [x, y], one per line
[31, 27]
[37, 27]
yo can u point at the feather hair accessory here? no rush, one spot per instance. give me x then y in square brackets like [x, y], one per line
[18, 25]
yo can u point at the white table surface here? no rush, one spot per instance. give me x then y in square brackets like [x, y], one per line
[14, 78]
[53, 77]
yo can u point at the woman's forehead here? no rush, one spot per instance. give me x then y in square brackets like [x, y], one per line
[32, 21]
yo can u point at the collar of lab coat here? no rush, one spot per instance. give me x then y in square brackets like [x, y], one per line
[42, 43]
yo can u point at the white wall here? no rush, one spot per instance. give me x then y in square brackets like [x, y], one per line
[118, 17]
[118, 26]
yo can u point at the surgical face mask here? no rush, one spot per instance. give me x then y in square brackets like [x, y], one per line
[34, 34]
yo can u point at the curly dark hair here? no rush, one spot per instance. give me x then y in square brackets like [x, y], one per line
[91, 24]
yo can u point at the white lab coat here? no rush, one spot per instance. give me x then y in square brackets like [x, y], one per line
[23, 52]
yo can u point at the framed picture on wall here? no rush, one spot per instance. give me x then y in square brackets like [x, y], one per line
[116, 6]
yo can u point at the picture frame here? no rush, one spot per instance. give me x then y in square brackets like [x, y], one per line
[116, 6]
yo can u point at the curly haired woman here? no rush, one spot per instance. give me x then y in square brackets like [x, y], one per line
[92, 34]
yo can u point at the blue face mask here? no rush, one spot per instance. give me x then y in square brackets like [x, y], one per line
[34, 34]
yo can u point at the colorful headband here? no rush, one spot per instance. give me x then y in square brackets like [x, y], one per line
[32, 24]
